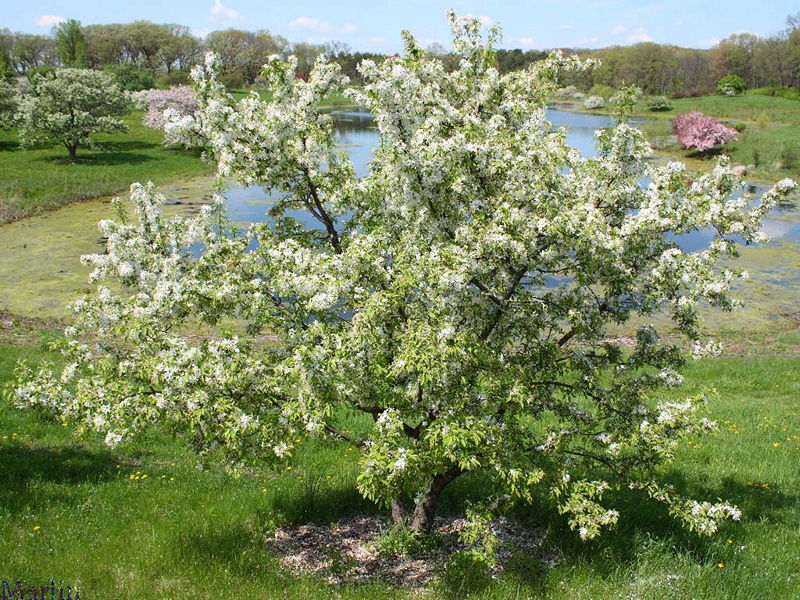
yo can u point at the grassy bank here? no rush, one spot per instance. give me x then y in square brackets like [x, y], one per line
[35, 181]
[72, 510]
[770, 135]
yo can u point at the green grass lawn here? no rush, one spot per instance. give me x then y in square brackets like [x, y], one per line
[69, 510]
[771, 131]
[38, 180]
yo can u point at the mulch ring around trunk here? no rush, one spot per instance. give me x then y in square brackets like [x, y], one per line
[347, 551]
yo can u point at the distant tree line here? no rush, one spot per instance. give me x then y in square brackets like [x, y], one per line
[167, 51]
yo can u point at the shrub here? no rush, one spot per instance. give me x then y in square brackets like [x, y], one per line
[40, 71]
[781, 92]
[131, 78]
[567, 92]
[701, 132]
[688, 93]
[604, 91]
[139, 99]
[594, 102]
[232, 80]
[179, 101]
[174, 78]
[69, 106]
[659, 103]
[731, 85]
[788, 156]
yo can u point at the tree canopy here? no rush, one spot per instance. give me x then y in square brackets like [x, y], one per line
[71, 44]
[68, 106]
[456, 302]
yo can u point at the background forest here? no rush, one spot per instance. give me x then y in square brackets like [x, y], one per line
[142, 53]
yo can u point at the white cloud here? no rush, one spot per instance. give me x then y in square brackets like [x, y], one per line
[484, 20]
[589, 40]
[617, 30]
[310, 24]
[525, 42]
[224, 15]
[48, 20]
[639, 35]
[201, 32]
[315, 25]
[709, 43]
[565, 27]
[680, 22]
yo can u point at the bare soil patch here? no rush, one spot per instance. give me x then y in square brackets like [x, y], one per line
[347, 551]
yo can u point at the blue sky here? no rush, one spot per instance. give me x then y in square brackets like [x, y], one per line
[375, 26]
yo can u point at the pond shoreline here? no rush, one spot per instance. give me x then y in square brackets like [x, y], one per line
[694, 164]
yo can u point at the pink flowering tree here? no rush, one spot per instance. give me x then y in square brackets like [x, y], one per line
[701, 132]
[178, 101]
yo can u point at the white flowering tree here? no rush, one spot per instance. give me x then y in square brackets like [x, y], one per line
[163, 105]
[459, 294]
[68, 106]
[8, 103]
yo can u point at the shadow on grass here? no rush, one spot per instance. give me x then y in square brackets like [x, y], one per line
[100, 159]
[21, 466]
[645, 523]
[707, 154]
[312, 500]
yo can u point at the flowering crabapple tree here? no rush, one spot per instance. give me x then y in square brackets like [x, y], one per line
[67, 106]
[163, 105]
[458, 296]
[8, 103]
[701, 132]
[593, 102]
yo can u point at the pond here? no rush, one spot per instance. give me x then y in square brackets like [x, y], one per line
[40, 271]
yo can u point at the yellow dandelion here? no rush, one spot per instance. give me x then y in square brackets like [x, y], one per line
[730, 541]
[775, 444]
[263, 489]
[144, 476]
[163, 477]
[720, 565]
[131, 476]
[37, 528]
[289, 468]
[172, 479]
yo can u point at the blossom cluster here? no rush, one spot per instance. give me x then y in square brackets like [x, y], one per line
[593, 102]
[701, 132]
[164, 105]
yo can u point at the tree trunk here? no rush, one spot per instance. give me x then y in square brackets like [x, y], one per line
[425, 510]
[399, 510]
[73, 153]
